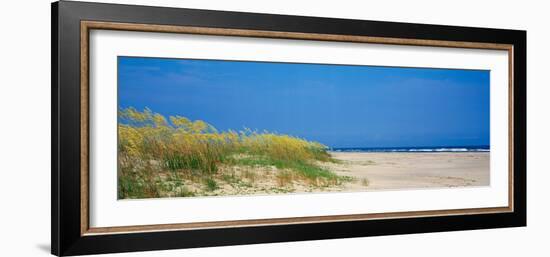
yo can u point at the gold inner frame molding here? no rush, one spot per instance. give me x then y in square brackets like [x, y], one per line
[86, 26]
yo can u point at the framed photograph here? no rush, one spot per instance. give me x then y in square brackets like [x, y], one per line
[178, 128]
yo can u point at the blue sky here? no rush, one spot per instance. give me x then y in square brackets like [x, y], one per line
[337, 105]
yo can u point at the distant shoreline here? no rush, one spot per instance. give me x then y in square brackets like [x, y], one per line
[436, 149]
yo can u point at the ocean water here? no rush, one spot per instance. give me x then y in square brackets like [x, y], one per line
[475, 148]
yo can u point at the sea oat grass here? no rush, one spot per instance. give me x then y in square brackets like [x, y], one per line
[150, 145]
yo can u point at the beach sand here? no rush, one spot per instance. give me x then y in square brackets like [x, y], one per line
[365, 172]
[387, 171]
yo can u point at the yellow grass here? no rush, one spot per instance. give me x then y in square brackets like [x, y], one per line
[152, 146]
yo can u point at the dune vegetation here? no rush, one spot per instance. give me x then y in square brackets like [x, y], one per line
[178, 157]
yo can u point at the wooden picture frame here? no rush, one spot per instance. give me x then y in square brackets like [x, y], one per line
[71, 25]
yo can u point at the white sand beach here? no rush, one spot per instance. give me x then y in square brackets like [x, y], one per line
[381, 171]
[361, 171]
[373, 171]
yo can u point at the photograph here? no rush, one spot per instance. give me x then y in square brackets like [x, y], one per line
[199, 127]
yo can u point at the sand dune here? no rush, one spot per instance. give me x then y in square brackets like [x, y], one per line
[366, 172]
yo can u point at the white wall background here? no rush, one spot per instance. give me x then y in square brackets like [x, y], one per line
[25, 127]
